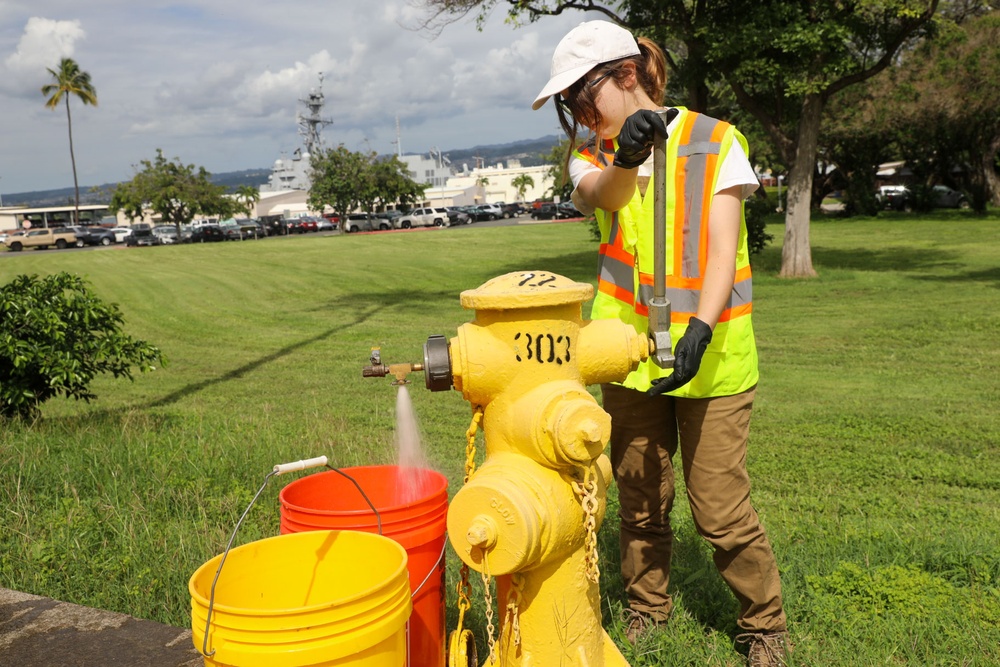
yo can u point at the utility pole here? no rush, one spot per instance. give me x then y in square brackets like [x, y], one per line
[399, 144]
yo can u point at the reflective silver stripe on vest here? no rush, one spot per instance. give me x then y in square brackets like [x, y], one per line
[617, 272]
[708, 147]
[696, 150]
[615, 229]
[612, 269]
[686, 300]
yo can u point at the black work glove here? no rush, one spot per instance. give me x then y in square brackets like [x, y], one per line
[687, 358]
[635, 141]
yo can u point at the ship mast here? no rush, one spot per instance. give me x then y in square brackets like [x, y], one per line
[312, 122]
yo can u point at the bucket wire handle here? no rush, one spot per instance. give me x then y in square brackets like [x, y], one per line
[371, 505]
[280, 469]
[211, 599]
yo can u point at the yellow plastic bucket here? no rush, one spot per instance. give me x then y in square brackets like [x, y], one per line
[318, 598]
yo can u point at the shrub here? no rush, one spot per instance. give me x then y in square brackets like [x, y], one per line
[55, 337]
[756, 211]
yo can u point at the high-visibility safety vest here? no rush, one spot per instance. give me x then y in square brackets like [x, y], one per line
[695, 153]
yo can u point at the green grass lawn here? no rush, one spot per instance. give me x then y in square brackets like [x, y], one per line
[875, 444]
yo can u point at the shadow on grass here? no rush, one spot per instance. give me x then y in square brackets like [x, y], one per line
[362, 307]
[895, 258]
[991, 276]
[695, 582]
[580, 266]
[694, 578]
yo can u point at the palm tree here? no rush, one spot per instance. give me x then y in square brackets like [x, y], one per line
[70, 80]
[521, 183]
[247, 196]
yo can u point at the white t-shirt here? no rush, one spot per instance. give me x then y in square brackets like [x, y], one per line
[735, 170]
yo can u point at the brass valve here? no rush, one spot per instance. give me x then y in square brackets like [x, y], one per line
[376, 369]
[436, 366]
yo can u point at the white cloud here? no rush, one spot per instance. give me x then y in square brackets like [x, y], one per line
[43, 44]
[217, 82]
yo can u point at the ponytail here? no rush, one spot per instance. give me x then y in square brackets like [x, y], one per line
[651, 68]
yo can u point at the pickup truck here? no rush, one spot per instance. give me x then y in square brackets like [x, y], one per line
[41, 239]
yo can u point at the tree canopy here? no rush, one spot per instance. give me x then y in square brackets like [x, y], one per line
[174, 190]
[781, 60]
[346, 180]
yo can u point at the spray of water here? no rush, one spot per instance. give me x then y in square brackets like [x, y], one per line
[411, 460]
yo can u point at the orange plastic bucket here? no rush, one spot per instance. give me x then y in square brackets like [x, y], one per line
[413, 506]
[319, 599]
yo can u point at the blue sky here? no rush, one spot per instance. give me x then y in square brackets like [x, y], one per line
[215, 83]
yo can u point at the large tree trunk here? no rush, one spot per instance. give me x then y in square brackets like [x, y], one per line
[989, 171]
[796, 254]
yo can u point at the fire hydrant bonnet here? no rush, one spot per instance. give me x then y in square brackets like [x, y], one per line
[582, 49]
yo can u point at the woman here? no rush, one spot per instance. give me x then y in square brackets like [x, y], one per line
[606, 81]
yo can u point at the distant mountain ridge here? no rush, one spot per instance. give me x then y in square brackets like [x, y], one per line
[530, 153]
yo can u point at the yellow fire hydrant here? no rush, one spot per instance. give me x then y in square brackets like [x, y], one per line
[529, 515]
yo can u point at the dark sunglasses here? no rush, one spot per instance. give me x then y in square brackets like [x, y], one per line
[589, 85]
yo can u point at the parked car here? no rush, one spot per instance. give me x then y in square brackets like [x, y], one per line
[495, 209]
[120, 233]
[568, 210]
[364, 222]
[309, 224]
[895, 198]
[94, 236]
[511, 210]
[142, 235]
[275, 227]
[207, 234]
[392, 217]
[552, 211]
[456, 216]
[167, 234]
[327, 224]
[483, 212]
[248, 228]
[424, 217]
[945, 197]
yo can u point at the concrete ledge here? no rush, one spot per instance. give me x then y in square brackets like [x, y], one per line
[41, 632]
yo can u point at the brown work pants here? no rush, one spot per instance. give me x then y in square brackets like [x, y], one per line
[713, 441]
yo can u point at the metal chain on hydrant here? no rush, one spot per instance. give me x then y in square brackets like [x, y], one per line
[470, 446]
[464, 588]
[587, 492]
[488, 598]
[513, 606]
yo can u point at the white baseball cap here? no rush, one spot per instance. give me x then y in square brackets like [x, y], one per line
[582, 49]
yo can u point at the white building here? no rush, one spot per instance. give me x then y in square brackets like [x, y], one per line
[495, 183]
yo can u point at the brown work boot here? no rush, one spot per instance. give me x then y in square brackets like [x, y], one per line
[636, 625]
[767, 649]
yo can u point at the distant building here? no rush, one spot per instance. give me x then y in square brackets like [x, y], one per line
[433, 170]
[495, 183]
[14, 217]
